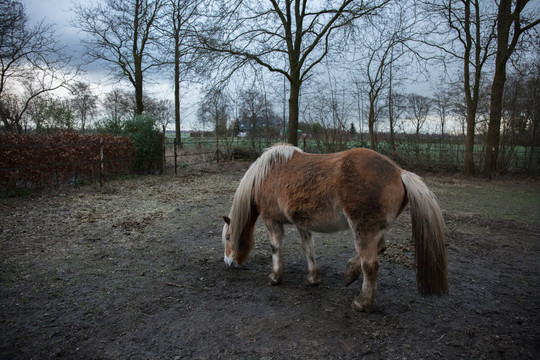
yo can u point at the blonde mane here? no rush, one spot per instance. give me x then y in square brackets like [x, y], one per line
[250, 185]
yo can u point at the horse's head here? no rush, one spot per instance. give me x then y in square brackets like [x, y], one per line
[238, 244]
[226, 239]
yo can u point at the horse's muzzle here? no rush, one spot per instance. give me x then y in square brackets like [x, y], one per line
[229, 260]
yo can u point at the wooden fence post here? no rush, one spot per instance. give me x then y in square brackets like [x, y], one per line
[163, 154]
[101, 163]
[217, 148]
[175, 157]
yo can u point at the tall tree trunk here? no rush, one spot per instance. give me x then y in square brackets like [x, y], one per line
[293, 114]
[83, 120]
[391, 103]
[294, 108]
[178, 133]
[139, 106]
[137, 61]
[504, 22]
[495, 115]
[469, 141]
[470, 99]
[371, 124]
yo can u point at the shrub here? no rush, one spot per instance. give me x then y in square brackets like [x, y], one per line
[113, 126]
[148, 142]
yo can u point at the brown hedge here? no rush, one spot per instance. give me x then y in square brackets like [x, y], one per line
[40, 160]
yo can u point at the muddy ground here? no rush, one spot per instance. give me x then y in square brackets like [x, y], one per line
[135, 270]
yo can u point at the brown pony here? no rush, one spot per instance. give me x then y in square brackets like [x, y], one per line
[357, 189]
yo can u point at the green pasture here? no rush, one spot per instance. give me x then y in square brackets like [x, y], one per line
[494, 200]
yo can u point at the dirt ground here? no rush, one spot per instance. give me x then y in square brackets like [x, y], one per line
[135, 270]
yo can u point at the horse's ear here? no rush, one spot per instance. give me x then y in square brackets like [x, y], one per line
[227, 220]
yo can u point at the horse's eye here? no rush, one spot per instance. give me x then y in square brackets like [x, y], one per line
[228, 237]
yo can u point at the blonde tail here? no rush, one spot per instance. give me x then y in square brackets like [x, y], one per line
[428, 233]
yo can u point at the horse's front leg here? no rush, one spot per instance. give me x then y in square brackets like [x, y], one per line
[314, 276]
[276, 237]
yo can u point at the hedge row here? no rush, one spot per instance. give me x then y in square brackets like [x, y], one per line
[67, 157]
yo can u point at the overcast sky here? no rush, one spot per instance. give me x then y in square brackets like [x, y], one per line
[55, 12]
[58, 12]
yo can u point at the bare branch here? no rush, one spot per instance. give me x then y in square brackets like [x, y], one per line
[124, 35]
[31, 63]
[287, 37]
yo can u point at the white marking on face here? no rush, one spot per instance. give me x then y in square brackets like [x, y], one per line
[229, 260]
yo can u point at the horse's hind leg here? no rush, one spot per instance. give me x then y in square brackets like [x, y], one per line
[276, 237]
[354, 265]
[367, 246]
[314, 276]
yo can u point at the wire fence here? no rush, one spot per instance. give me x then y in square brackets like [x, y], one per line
[98, 163]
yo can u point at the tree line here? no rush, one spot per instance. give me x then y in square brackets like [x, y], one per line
[280, 64]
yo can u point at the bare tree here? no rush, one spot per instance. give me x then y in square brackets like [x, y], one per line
[254, 111]
[532, 102]
[214, 110]
[464, 30]
[122, 33]
[285, 37]
[328, 115]
[397, 110]
[161, 110]
[118, 105]
[442, 103]
[520, 121]
[31, 63]
[256, 115]
[418, 108]
[177, 27]
[84, 103]
[512, 24]
[388, 43]
[358, 97]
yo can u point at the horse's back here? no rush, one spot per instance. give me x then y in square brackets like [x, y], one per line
[301, 191]
[316, 191]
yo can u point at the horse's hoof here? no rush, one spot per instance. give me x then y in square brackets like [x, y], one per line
[273, 280]
[360, 305]
[313, 281]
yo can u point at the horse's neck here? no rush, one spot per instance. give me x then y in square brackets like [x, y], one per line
[247, 232]
[247, 239]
